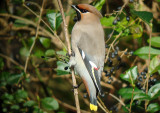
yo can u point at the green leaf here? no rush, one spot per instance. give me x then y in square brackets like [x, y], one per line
[154, 65]
[107, 22]
[144, 15]
[99, 4]
[7, 78]
[38, 53]
[29, 103]
[141, 96]
[16, 107]
[24, 51]
[49, 103]
[130, 75]
[144, 51]
[38, 110]
[155, 41]
[31, 40]
[60, 68]
[153, 107]
[14, 78]
[154, 91]
[20, 95]
[7, 96]
[50, 52]
[19, 23]
[126, 93]
[54, 19]
[45, 42]
[136, 31]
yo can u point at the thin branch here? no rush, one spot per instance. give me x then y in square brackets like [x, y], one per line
[149, 60]
[36, 36]
[10, 59]
[69, 51]
[130, 109]
[46, 25]
[102, 104]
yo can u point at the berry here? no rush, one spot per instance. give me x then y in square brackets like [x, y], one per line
[106, 46]
[131, 53]
[105, 71]
[107, 74]
[144, 77]
[114, 22]
[125, 53]
[109, 82]
[127, 18]
[143, 73]
[113, 55]
[116, 52]
[110, 78]
[117, 48]
[111, 70]
[85, 95]
[154, 80]
[119, 8]
[146, 69]
[140, 79]
[65, 68]
[119, 58]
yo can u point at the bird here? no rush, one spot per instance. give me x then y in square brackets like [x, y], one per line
[88, 48]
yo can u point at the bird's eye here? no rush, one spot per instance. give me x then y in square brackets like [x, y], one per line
[84, 10]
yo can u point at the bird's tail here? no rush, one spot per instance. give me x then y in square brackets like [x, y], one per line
[93, 104]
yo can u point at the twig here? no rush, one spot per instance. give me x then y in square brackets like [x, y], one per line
[106, 110]
[112, 45]
[101, 107]
[149, 60]
[13, 61]
[45, 24]
[69, 51]
[36, 36]
[130, 109]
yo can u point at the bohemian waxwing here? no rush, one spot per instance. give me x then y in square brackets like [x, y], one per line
[88, 46]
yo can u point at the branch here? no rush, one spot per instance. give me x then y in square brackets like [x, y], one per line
[69, 51]
[27, 60]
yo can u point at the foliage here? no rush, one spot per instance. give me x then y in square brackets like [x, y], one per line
[132, 55]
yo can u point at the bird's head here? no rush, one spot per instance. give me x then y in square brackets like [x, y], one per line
[85, 9]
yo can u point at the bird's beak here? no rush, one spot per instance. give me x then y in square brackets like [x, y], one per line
[75, 8]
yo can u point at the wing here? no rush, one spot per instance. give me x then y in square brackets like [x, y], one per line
[93, 53]
[92, 69]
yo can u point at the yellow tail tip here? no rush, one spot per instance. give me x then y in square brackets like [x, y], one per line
[93, 107]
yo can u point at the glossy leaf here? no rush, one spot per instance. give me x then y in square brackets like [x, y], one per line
[38, 53]
[54, 19]
[144, 51]
[130, 75]
[155, 41]
[154, 64]
[50, 52]
[45, 42]
[144, 15]
[136, 31]
[99, 4]
[107, 22]
[49, 103]
[153, 107]
[154, 91]
[141, 96]
[29, 103]
[126, 93]
[61, 68]
[15, 107]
